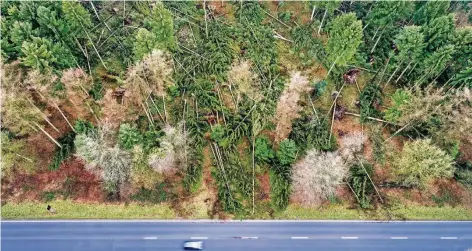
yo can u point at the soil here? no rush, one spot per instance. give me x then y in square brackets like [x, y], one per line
[41, 146]
[264, 191]
[350, 125]
[445, 188]
[461, 18]
[344, 193]
[70, 181]
[219, 8]
[465, 151]
[208, 186]
[287, 107]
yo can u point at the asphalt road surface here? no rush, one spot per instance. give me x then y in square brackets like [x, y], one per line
[235, 235]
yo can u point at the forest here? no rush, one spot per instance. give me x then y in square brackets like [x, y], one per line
[237, 109]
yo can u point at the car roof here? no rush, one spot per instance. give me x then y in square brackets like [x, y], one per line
[193, 244]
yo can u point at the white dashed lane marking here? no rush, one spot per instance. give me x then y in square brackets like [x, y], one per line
[349, 237]
[198, 238]
[448, 238]
[150, 238]
[399, 238]
[299, 237]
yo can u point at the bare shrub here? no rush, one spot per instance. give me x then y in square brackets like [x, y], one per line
[287, 106]
[351, 144]
[317, 175]
[459, 118]
[142, 176]
[113, 111]
[103, 156]
[40, 82]
[244, 80]
[421, 162]
[173, 153]
[77, 84]
[17, 113]
[150, 75]
[116, 164]
[88, 149]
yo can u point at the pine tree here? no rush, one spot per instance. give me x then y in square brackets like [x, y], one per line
[329, 8]
[161, 25]
[410, 44]
[427, 11]
[144, 44]
[463, 78]
[76, 17]
[462, 40]
[386, 13]
[345, 33]
[438, 32]
[19, 32]
[38, 54]
[436, 62]
[287, 152]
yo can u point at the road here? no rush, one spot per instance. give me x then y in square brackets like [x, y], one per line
[235, 235]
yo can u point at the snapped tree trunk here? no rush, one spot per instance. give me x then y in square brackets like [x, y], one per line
[47, 134]
[321, 24]
[313, 13]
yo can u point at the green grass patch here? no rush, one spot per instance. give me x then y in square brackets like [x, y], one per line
[342, 212]
[71, 210]
[155, 196]
[433, 213]
[332, 212]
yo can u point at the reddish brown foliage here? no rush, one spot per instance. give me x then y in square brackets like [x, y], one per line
[71, 179]
[264, 182]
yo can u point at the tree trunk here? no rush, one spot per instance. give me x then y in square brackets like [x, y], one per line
[44, 116]
[383, 72]
[276, 19]
[371, 118]
[321, 24]
[330, 68]
[375, 45]
[368, 176]
[47, 134]
[64, 116]
[165, 112]
[391, 76]
[403, 72]
[206, 24]
[147, 115]
[313, 12]
[334, 111]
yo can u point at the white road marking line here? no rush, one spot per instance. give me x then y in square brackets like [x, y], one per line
[349, 237]
[399, 238]
[448, 238]
[198, 238]
[150, 238]
[299, 237]
[249, 237]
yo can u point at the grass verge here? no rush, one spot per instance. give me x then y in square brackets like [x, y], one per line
[341, 212]
[72, 210]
